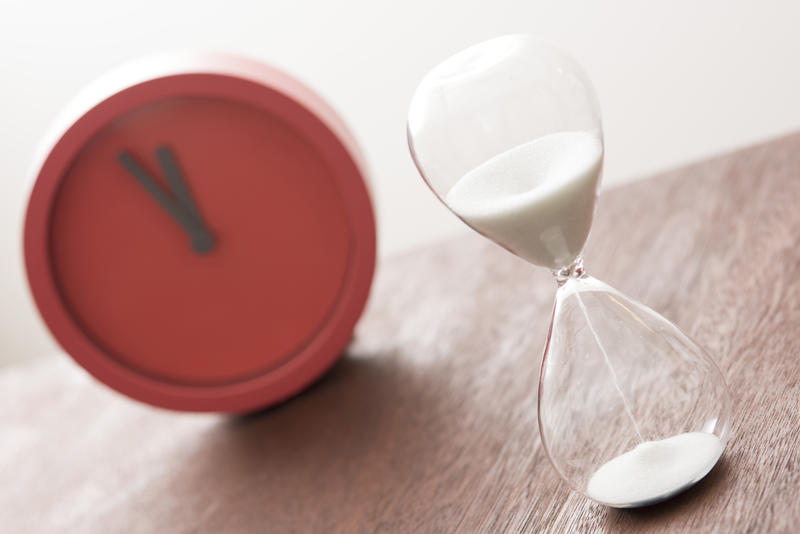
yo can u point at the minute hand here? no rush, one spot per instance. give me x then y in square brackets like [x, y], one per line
[167, 162]
[184, 210]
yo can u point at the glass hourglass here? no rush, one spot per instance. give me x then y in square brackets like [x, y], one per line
[507, 134]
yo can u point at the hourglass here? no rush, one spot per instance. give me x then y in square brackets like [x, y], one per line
[507, 134]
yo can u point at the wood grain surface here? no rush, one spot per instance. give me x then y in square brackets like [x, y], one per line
[428, 424]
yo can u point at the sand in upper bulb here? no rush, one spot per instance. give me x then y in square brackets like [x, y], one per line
[655, 470]
[537, 199]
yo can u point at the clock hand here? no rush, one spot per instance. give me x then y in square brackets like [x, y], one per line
[202, 240]
[170, 168]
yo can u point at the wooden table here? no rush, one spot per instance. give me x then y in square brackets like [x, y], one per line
[428, 424]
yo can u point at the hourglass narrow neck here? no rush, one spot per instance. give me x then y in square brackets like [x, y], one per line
[573, 270]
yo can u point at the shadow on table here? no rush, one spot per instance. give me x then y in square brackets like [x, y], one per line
[371, 429]
[360, 397]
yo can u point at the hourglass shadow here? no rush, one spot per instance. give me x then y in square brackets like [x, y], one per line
[681, 503]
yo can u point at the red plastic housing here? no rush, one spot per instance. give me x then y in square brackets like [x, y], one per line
[280, 185]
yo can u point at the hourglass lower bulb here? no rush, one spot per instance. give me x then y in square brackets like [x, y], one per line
[507, 134]
[631, 411]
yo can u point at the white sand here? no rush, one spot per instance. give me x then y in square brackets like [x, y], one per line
[655, 470]
[537, 199]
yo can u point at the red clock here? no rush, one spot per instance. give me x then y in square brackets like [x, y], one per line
[199, 235]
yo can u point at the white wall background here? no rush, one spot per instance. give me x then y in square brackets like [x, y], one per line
[677, 81]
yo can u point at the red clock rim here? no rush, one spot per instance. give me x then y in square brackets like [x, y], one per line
[233, 78]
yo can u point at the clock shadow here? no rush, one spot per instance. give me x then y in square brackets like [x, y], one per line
[370, 428]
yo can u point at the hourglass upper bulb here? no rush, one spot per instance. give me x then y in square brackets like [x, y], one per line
[507, 133]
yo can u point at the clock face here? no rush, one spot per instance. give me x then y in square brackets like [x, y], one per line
[198, 250]
[133, 275]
